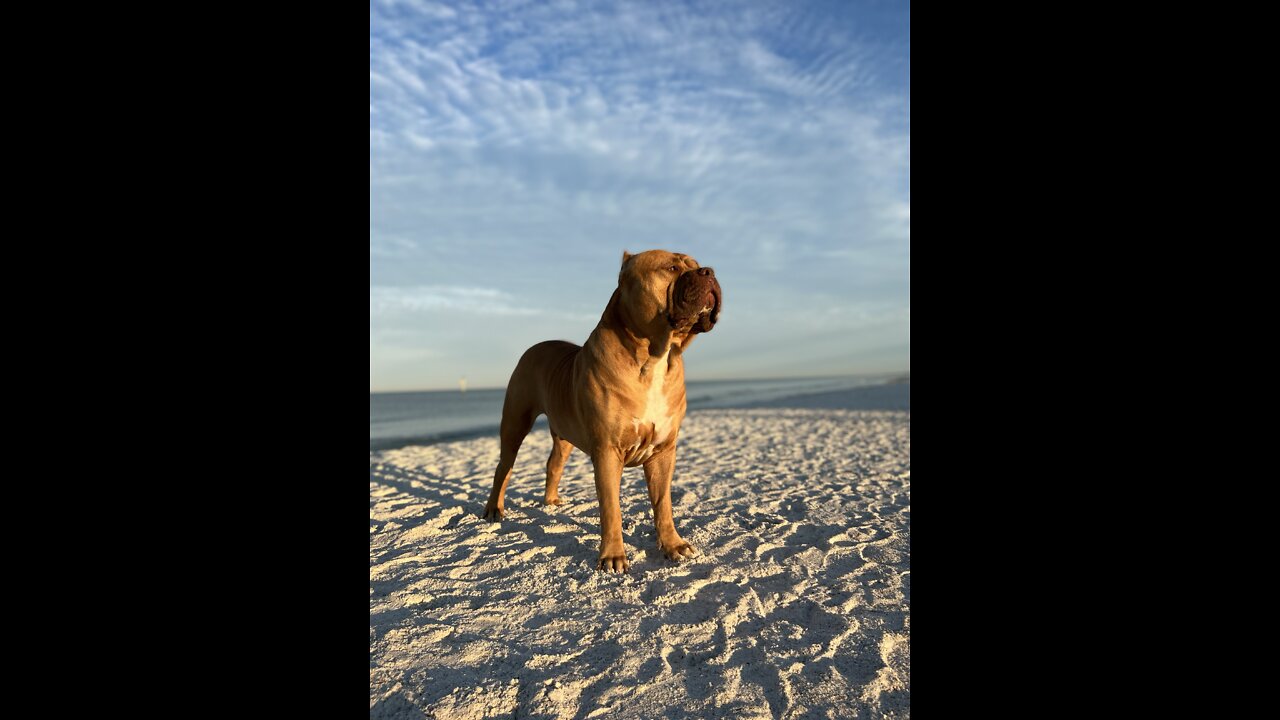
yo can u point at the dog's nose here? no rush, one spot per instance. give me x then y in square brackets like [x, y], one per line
[706, 271]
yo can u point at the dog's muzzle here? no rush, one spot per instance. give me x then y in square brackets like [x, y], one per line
[695, 301]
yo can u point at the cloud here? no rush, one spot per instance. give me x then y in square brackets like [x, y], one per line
[444, 298]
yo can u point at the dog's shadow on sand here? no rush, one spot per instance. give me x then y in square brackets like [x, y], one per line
[529, 532]
[452, 504]
[441, 557]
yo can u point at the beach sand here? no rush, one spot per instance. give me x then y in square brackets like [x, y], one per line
[797, 605]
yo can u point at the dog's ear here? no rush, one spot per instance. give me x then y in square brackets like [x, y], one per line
[625, 257]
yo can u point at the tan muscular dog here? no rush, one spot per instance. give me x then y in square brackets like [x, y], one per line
[620, 397]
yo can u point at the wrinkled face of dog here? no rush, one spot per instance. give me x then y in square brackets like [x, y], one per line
[670, 289]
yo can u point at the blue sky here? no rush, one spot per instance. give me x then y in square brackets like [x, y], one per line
[517, 148]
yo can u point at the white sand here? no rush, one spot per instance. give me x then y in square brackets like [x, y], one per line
[797, 606]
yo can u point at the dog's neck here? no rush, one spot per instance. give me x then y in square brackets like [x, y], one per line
[645, 347]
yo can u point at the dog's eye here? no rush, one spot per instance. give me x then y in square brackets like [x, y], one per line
[672, 268]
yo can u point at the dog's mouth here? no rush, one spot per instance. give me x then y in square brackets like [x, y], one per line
[695, 302]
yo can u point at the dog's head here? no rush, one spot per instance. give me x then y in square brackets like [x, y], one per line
[657, 286]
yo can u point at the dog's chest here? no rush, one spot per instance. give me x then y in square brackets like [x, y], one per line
[653, 425]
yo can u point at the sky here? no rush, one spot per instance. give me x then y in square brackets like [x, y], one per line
[517, 148]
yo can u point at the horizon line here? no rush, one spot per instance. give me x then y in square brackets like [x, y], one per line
[454, 388]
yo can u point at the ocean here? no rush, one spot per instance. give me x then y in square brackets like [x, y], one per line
[419, 418]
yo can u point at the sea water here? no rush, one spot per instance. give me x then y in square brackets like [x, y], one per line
[410, 418]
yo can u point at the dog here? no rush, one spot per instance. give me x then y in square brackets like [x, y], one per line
[620, 397]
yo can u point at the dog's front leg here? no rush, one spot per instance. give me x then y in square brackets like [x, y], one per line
[657, 475]
[608, 469]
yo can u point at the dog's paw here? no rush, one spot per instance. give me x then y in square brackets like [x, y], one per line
[614, 563]
[553, 501]
[678, 550]
[493, 514]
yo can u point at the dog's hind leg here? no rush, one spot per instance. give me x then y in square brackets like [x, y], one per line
[560, 449]
[517, 420]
